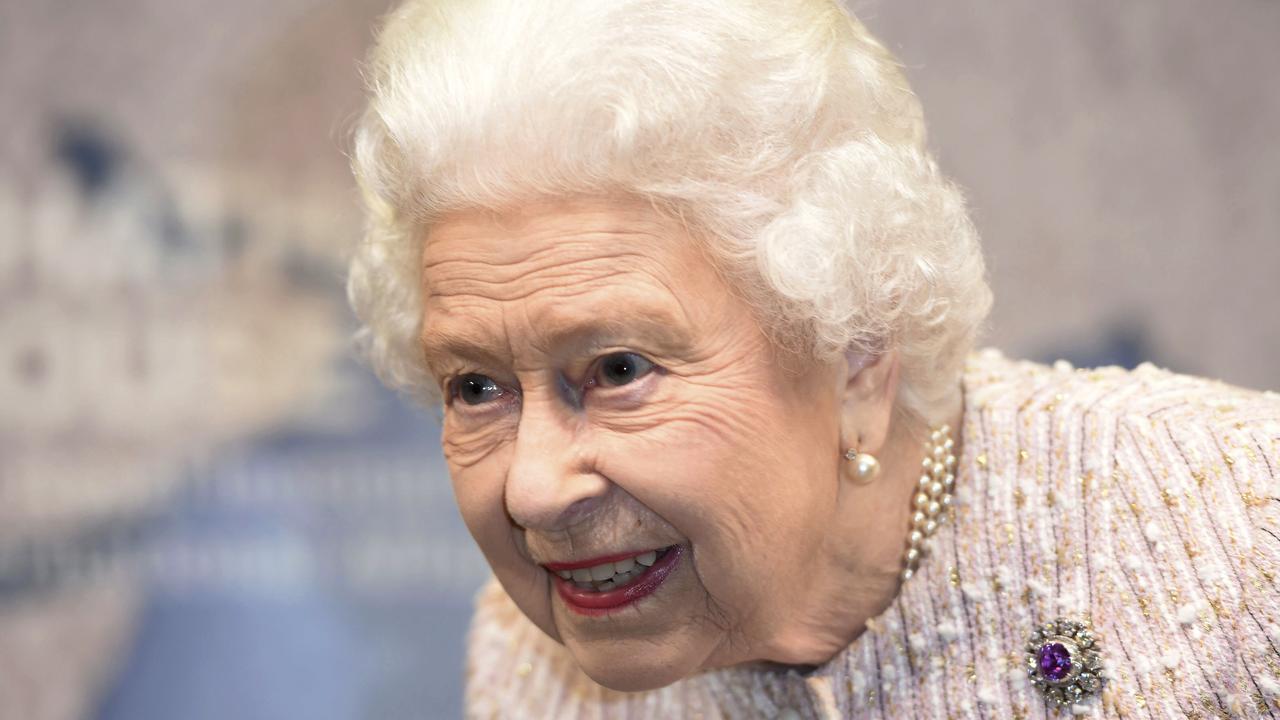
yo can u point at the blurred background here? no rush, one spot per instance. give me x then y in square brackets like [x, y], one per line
[209, 509]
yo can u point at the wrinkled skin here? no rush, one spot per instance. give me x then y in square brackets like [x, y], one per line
[716, 446]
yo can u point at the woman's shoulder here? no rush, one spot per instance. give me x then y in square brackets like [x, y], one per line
[1146, 420]
[1158, 430]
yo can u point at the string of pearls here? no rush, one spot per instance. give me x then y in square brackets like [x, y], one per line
[932, 498]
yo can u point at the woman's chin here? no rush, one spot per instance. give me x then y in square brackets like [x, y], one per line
[627, 668]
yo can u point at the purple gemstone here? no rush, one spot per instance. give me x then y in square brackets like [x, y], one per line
[1055, 661]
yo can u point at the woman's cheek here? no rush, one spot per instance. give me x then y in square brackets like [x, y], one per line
[675, 462]
[477, 470]
[709, 466]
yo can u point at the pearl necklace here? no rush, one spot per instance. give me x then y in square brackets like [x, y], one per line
[932, 498]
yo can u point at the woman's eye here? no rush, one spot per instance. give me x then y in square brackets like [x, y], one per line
[622, 368]
[475, 389]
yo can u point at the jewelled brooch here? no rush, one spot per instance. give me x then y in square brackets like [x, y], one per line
[1064, 661]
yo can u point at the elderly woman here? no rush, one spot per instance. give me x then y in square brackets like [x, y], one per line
[700, 311]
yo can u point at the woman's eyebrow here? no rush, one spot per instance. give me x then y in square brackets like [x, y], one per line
[660, 329]
[440, 345]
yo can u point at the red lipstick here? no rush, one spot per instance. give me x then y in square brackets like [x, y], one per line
[592, 603]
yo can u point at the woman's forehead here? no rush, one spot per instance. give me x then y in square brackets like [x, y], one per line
[485, 335]
[562, 249]
[567, 274]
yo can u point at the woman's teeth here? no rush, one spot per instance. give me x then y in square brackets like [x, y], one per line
[610, 575]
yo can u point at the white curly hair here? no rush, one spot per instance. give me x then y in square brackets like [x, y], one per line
[780, 129]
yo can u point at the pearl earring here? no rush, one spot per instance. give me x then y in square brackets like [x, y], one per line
[865, 465]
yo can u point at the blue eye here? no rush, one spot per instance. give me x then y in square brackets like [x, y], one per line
[622, 368]
[475, 389]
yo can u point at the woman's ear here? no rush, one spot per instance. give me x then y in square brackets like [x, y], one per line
[867, 399]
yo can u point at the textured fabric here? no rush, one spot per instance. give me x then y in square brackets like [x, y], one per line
[1144, 501]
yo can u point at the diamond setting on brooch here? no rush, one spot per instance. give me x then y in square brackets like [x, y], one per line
[1064, 661]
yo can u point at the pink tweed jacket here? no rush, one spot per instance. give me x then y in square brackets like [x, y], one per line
[1144, 502]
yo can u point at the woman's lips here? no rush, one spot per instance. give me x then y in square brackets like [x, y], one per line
[599, 602]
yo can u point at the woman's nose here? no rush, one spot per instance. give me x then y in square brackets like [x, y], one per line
[552, 483]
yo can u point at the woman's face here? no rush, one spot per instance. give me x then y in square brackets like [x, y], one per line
[614, 413]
